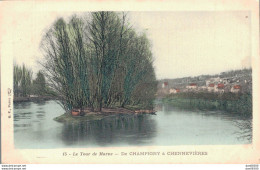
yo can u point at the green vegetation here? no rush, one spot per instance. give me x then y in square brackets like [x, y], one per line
[24, 85]
[88, 117]
[22, 81]
[39, 85]
[99, 61]
[231, 102]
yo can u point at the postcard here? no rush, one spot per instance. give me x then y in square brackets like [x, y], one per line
[130, 82]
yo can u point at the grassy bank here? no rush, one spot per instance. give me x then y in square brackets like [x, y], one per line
[67, 117]
[105, 112]
[230, 102]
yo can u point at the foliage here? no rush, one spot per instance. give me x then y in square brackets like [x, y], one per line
[39, 85]
[22, 81]
[99, 61]
[237, 103]
[24, 85]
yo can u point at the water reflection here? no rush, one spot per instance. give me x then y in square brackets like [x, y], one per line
[130, 129]
[28, 116]
[244, 131]
[22, 105]
[241, 124]
[41, 103]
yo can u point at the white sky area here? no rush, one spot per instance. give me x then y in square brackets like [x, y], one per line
[183, 43]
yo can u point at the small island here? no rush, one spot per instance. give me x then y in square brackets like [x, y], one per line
[89, 115]
[99, 66]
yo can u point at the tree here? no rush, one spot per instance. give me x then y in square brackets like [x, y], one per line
[97, 62]
[17, 80]
[22, 81]
[39, 84]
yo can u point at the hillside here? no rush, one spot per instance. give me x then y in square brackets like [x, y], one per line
[229, 81]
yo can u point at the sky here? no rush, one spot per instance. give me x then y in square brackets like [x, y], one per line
[183, 43]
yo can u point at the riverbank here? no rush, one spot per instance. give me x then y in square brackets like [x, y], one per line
[32, 99]
[105, 112]
[234, 103]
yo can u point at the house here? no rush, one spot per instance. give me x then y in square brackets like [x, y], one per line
[235, 89]
[211, 87]
[208, 82]
[192, 86]
[203, 88]
[213, 80]
[174, 90]
[165, 84]
[220, 88]
[221, 85]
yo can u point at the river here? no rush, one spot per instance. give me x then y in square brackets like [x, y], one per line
[34, 127]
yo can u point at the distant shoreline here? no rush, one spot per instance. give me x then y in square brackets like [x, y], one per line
[240, 103]
[106, 112]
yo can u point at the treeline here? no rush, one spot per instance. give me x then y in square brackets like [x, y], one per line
[233, 73]
[22, 81]
[25, 85]
[200, 80]
[230, 102]
[99, 61]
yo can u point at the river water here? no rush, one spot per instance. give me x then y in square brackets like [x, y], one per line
[34, 127]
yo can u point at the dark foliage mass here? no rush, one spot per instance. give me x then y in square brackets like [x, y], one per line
[99, 61]
[22, 81]
[25, 85]
[39, 85]
[231, 102]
